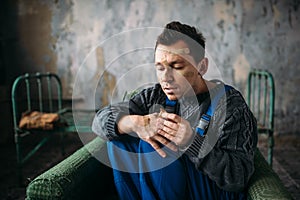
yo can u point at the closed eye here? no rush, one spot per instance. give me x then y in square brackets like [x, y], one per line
[159, 66]
[178, 67]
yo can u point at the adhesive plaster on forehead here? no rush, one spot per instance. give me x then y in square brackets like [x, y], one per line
[183, 51]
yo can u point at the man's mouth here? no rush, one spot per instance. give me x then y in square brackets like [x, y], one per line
[170, 90]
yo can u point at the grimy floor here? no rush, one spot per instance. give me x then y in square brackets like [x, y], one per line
[286, 163]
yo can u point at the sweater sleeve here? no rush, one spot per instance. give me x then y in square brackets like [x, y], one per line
[230, 161]
[106, 119]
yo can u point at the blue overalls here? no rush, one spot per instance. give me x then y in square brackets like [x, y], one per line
[140, 173]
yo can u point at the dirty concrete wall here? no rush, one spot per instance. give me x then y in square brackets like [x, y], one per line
[64, 37]
[270, 40]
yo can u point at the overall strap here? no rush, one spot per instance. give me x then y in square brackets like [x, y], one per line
[170, 106]
[205, 118]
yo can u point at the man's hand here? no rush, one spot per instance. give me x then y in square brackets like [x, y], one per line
[175, 129]
[146, 127]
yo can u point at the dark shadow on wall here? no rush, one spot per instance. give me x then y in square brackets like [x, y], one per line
[9, 65]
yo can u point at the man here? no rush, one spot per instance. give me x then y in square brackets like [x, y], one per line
[163, 144]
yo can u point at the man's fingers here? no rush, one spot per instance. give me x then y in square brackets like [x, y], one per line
[167, 135]
[157, 148]
[168, 126]
[169, 131]
[165, 142]
[171, 125]
[171, 116]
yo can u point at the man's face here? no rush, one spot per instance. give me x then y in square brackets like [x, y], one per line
[176, 70]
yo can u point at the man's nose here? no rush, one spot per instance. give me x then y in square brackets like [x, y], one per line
[167, 75]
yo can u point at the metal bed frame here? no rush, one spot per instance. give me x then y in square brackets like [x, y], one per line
[42, 92]
[261, 100]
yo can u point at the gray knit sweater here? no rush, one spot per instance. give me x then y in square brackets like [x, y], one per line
[225, 154]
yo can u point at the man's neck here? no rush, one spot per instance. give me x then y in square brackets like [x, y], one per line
[204, 86]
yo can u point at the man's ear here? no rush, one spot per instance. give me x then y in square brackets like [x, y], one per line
[203, 66]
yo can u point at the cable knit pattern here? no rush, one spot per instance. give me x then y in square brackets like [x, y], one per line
[227, 159]
[104, 123]
[230, 163]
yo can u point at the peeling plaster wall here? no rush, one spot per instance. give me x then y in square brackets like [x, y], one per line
[34, 37]
[60, 36]
[270, 40]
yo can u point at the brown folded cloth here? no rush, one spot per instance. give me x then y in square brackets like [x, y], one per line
[38, 120]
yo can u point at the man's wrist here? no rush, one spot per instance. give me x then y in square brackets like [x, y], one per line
[125, 124]
[185, 147]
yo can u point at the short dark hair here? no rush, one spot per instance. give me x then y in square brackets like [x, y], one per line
[175, 31]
